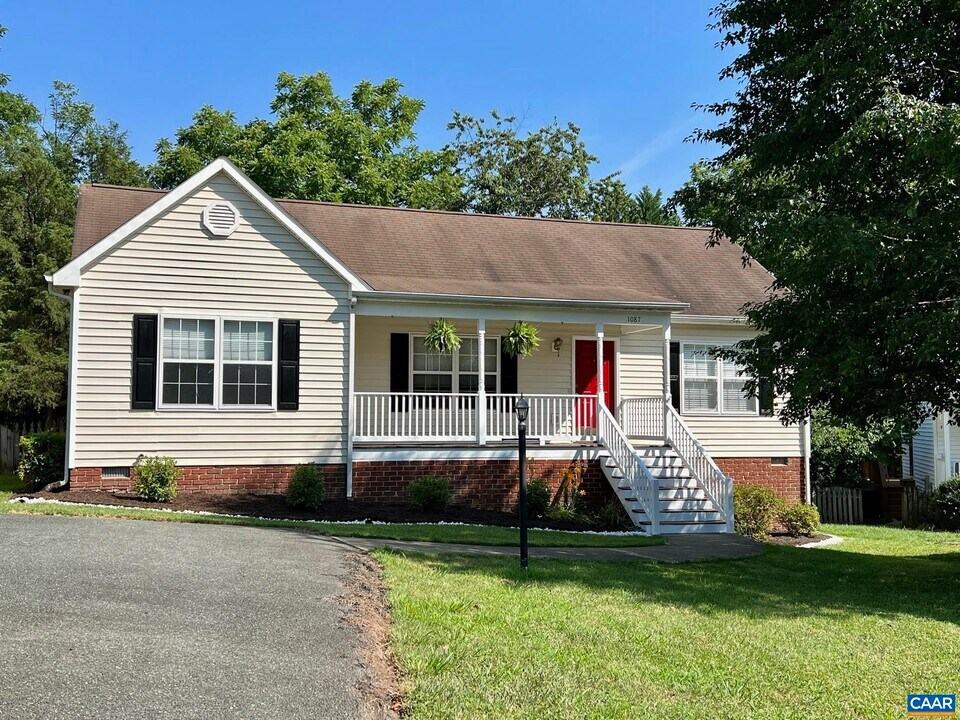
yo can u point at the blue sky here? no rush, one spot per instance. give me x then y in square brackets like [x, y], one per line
[626, 72]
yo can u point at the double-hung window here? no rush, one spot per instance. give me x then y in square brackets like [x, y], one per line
[457, 371]
[713, 385]
[217, 363]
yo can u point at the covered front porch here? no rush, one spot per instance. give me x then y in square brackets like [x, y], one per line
[403, 394]
[600, 379]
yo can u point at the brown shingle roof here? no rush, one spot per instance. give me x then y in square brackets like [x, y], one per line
[424, 251]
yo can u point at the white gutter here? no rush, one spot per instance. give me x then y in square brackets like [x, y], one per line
[432, 298]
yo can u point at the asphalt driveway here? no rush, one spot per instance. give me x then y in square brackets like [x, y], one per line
[124, 619]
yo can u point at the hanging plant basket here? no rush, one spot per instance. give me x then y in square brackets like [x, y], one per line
[442, 337]
[522, 340]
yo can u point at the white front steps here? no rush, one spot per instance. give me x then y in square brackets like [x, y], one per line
[684, 506]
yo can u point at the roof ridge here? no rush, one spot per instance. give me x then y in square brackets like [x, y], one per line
[124, 187]
[467, 213]
[458, 213]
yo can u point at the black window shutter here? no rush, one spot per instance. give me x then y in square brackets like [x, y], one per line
[143, 391]
[765, 393]
[288, 390]
[509, 375]
[675, 375]
[399, 362]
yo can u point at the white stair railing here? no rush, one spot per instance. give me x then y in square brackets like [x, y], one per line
[715, 483]
[644, 486]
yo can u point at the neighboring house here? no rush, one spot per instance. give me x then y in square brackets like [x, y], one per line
[933, 456]
[243, 336]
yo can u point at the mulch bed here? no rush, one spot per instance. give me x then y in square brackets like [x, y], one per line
[275, 506]
[784, 539]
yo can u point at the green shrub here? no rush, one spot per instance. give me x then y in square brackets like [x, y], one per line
[799, 519]
[538, 498]
[945, 505]
[155, 478]
[306, 487]
[753, 510]
[430, 493]
[560, 513]
[612, 516]
[41, 459]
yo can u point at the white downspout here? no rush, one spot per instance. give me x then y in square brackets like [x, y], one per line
[807, 453]
[351, 400]
[947, 459]
[71, 380]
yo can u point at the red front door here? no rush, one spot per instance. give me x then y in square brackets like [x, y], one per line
[585, 373]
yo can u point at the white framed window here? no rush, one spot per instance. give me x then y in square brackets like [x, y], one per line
[711, 385]
[217, 363]
[458, 371]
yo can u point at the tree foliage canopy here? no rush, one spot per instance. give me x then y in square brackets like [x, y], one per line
[839, 175]
[40, 163]
[321, 146]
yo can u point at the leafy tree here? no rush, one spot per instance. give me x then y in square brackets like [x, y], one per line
[40, 165]
[321, 147]
[840, 448]
[545, 173]
[839, 175]
[611, 202]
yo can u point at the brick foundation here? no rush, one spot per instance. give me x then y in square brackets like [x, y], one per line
[484, 484]
[220, 478]
[786, 480]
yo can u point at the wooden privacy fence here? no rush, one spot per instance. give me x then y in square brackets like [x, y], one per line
[839, 505]
[10, 442]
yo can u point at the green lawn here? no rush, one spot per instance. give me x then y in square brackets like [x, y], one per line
[431, 533]
[9, 484]
[839, 632]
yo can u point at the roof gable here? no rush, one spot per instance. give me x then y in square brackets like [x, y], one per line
[147, 206]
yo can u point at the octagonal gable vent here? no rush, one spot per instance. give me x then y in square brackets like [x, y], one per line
[221, 218]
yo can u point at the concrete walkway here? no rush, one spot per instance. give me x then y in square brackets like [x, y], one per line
[678, 549]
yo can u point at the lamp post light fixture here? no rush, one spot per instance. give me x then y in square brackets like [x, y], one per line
[522, 407]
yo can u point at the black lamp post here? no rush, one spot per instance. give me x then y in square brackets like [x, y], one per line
[521, 408]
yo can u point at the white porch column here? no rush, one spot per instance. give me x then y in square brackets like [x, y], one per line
[482, 382]
[667, 397]
[601, 398]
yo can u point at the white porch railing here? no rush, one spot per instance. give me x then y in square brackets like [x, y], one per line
[717, 485]
[644, 486]
[406, 417]
[642, 417]
[568, 418]
[396, 417]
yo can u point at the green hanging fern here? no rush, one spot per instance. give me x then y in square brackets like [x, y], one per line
[442, 337]
[522, 340]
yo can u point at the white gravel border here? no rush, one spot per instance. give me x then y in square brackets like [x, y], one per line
[54, 501]
[831, 540]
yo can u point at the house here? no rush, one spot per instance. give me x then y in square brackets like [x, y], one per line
[244, 335]
[933, 455]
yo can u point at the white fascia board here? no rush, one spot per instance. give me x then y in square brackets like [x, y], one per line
[681, 319]
[399, 304]
[69, 274]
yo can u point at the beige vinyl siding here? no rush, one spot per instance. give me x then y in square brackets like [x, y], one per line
[544, 372]
[174, 267]
[640, 373]
[738, 435]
